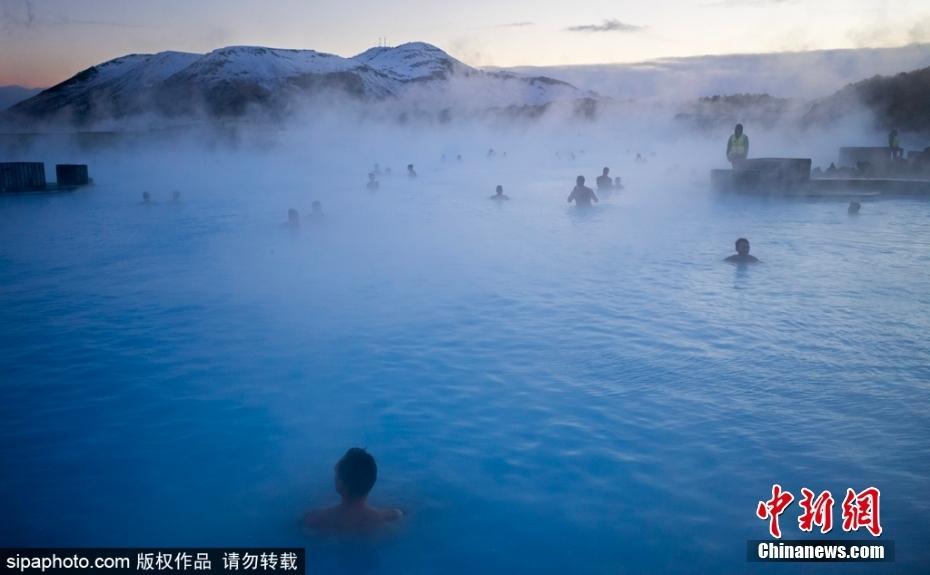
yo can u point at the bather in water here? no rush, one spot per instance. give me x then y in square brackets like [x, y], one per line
[582, 195]
[742, 253]
[499, 194]
[853, 208]
[293, 219]
[372, 184]
[410, 171]
[316, 212]
[355, 475]
[604, 181]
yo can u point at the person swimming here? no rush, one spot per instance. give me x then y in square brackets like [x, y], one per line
[499, 194]
[355, 476]
[175, 196]
[316, 210]
[853, 208]
[293, 219]
[146, 197]
[742, 253]
[377, 170]
[604, 181]
[410, 171]
[618, 183]
[582, 195]
[372, 182]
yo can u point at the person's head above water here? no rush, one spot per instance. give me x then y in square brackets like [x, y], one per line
[606, 171]
[579, 180]
[356, 474]
[854, 207]
[175, 195]
[738, 129]
[146, 196]
[371, 176]
[293, 218]
[499, 189]
[742, 246]
[742, 253]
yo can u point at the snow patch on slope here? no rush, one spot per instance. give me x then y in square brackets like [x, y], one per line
[264, 65]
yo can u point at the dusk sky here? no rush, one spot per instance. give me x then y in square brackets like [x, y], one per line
[43, 42]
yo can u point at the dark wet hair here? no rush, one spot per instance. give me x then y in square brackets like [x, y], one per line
[606, 170]
[579, 180]
[738, 127]
[357, 471]
[739, 241]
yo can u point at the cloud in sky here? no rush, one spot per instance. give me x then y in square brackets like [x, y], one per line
[884, 34]
[516, 25]
[16, 14]
[611, 25]
[84, 22]
[920, 31]
[21, 14]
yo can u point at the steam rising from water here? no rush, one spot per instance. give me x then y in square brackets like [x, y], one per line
[594, 383]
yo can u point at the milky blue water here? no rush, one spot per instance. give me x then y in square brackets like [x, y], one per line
[545, 390]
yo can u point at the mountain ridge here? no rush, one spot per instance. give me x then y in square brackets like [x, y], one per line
[235, 80]
[900, 101]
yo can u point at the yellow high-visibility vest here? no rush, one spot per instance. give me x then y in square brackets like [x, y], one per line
[738, 144]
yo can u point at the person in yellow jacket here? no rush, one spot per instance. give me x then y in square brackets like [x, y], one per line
[737, 146]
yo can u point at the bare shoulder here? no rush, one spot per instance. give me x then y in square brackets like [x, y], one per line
[389, 514]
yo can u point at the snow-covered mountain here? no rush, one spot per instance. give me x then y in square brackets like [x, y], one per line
[116, 88]
[236, 80]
